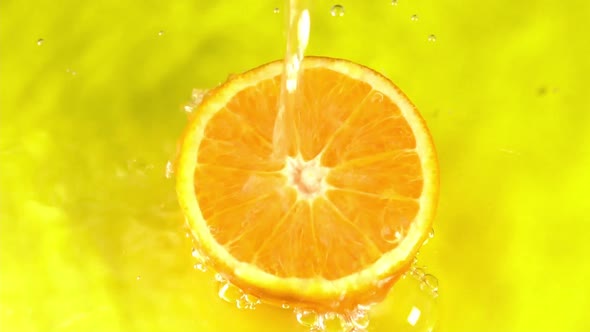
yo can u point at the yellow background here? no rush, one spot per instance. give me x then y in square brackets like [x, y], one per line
[92, 239]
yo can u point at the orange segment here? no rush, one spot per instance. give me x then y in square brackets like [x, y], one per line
[231, 141]
[376, 126]
[334, 223]
[359, 207]
[391, 174]
[255, 112]
[325, 101]
[218, 187]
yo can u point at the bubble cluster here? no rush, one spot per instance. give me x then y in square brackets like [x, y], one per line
[356, 320]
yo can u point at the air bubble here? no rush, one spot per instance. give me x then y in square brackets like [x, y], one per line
[40, 41]
[377, 97]
[308, 318]
[418, 273]
[201, 263]
[200, 266]
[431, 38]
[337, 10]
[197, 96]
[430, 283]
[247, 302]
[161, 33]
[196, 254]
[394, 2]
[332, 322]
[430, 236]
[285, 306]
[414, 17]
[229, 293]
[169, 170]
[276, 10]
[359, 318]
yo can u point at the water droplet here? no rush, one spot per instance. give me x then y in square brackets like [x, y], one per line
[430, 236]
[411, 305]
[40, 41]
[169, 169]
[391, 235]
[196, 254]
[337, 10]
[431, 38]
[307, 318]
[229, 292]
[414, 17]
[276, 10]
[394, 2]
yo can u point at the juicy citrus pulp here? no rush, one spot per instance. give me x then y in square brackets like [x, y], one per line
[335, 222]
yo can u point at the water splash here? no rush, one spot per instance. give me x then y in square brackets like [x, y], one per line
[298, 23]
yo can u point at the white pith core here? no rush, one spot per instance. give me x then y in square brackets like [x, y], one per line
[308, 178]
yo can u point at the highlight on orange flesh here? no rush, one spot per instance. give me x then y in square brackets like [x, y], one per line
[335, 222]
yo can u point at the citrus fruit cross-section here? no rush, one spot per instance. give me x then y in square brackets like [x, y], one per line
[335, 221]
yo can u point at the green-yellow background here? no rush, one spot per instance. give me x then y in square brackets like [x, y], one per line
[91, 237]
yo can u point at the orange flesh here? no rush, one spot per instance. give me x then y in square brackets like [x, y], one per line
[293, 229]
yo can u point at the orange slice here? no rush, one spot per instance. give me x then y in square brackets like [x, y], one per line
[339, 219]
